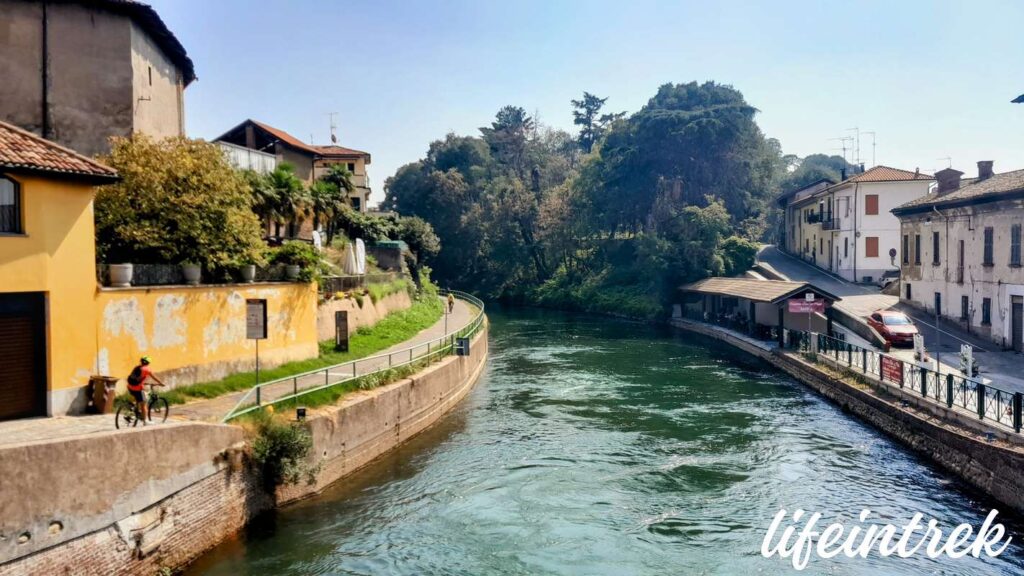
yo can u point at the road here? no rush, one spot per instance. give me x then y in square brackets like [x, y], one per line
[1000, 367]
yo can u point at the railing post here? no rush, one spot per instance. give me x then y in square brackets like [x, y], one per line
[295, 385]
[949, 390]
[1018, 401]
[327, 376]
[864, 359]
[849, 354]
[258, 395]
[903, 371]
[924, 382]
[980, 390]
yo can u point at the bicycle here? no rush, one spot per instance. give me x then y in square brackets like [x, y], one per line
[129, 416]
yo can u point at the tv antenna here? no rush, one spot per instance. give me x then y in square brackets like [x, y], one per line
[872, 133]
[334, 127]
[949, 161]
[856, 139]
[843, 140]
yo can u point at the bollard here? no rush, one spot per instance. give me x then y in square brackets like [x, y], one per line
[949, 390]
[980, 390]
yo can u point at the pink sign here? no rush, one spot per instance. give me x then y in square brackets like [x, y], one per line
[892, 370]
[806, 306]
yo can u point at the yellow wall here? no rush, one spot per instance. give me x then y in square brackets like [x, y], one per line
[57, 256]
[194, 334]
[197, 334]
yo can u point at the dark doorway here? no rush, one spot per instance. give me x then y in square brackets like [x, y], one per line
[22, 355]
[1017, 321]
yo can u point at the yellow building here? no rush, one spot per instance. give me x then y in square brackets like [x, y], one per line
[47, 268]
[58, 326]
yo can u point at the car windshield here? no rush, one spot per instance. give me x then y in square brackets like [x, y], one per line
[895, 320]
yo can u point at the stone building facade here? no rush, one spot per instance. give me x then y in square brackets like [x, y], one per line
[963, 253]
[78, 73]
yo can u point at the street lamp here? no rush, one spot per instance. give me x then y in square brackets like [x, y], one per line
[938, 332]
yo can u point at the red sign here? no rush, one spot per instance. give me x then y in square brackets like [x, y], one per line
[806, 306]
[892, 370]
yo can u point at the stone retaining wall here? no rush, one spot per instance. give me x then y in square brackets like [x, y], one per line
[358, 316]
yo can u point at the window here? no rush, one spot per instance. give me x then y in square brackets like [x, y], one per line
[960, 263]
[871, 205]
[871, 247]
[964, 313]
[986, 311]
[906, 248]
[935, 248]
[10, 207]
[938, 303]
[1015, 245]
[821, 245]
[807, 246]
[846, 247]
[907, 290]
[357, 203]
[988, 259]
[917, 248]
[352, 167]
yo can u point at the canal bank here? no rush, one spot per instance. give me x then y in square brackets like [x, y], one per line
[598, 446]
[986, 457]
[155, 498]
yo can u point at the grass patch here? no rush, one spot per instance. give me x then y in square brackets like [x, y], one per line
[382, 290]
[393, 329]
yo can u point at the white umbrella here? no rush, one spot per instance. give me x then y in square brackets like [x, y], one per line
[350, 260]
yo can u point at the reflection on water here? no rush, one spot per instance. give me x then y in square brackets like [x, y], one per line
[595, 446]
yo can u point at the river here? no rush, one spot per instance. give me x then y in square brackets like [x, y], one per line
[597, 446]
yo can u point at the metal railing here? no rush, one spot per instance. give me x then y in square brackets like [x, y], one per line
[331, 284]
[294, 387]
[956, 391]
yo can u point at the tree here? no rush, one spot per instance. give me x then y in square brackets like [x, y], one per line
[507, 137]
[178, 201]
[293, 201]
[587, 115]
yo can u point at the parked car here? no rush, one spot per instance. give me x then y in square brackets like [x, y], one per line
[888, 277]
[895, 327]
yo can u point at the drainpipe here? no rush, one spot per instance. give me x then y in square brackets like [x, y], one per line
[46, 76]
[856, 189]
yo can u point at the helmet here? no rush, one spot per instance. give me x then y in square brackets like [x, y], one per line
[145, 360]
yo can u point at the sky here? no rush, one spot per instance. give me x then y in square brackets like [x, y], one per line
[932, 80]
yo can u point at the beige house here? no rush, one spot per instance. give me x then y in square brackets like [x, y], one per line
[79, 72]
[311, 162]
[962, 253]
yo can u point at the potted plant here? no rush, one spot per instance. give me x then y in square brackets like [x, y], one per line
[192, 272]
[121, 275]
[248, 273]
[301, 262]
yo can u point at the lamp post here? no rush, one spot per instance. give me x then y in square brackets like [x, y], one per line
[938, 332]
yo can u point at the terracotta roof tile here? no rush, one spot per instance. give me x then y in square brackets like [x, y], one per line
[24, 151]
[332, 150]
[969, 191]
[887, 174]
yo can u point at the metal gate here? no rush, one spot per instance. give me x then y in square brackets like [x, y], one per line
[22, 355]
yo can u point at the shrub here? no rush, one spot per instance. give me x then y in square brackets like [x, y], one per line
[282, 449]
[304, 255]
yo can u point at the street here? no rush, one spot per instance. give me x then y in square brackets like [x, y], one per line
[1001, 367]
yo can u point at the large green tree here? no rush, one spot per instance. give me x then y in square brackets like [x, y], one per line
[178, 201]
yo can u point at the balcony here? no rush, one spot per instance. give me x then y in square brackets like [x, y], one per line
[830, 224]
[813, 218]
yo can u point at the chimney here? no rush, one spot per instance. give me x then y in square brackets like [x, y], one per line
[842, 174]
[949, 180]
[984, 169]
[861, 167]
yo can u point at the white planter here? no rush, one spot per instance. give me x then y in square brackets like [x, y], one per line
[248, 273]
[121, 275]
[292, 271]
[192, 273]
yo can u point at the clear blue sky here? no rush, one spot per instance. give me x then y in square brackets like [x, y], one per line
[932, 79]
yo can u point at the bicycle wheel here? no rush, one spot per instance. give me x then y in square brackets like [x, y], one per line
[158, 409]
[126, 417]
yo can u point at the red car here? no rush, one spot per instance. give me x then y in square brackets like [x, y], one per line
[895, 327]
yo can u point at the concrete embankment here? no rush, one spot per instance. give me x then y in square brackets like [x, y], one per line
[951, 440]
[138, 501]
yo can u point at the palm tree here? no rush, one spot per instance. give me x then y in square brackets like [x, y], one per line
[335, 186]
[292, 199]
[264, 196]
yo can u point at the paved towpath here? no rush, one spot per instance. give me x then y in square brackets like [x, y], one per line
[31, 430]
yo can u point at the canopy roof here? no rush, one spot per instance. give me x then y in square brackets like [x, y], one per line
[768, 291]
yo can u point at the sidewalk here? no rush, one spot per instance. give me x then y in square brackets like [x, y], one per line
[61, 427]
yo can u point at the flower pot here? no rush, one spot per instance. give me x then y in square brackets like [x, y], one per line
[248, 273]
[292, 271]
[191, 272]
[120, 275]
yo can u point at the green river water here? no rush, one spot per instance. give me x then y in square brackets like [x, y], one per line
[597, 446]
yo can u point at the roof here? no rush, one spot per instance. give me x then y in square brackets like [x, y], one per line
[995, 187]
[771, 291]
[1018, 99]
[22, 151]
[286, 138]
[786, 195]
[887, 174]
[147, 18]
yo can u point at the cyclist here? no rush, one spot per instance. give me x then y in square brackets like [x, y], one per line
[137, 384]
[451, 303]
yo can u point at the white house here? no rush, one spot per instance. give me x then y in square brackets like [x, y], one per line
[847, 228]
